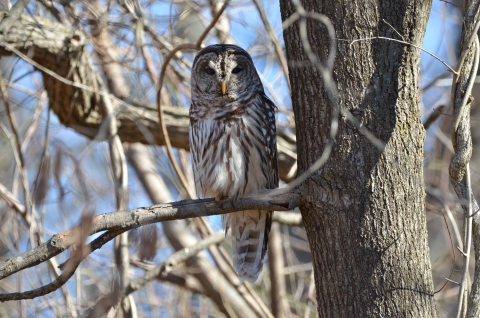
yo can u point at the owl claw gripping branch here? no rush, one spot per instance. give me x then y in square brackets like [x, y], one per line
[233, 145]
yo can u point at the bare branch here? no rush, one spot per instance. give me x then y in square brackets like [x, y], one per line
[131, 219]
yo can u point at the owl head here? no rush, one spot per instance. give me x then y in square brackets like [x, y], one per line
[224, 72]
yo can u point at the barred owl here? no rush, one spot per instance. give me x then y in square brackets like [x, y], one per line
[233, 145]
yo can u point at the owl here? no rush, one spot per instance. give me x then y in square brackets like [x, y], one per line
[234, 147]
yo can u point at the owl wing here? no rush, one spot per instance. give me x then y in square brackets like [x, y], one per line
[271, 143]
[250, 229]
[272, 165]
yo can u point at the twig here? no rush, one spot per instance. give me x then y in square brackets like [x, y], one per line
[149, 62]
[403, 39]
[457, 283]
[451, 3]
[48, 4]
[439, 198]
[120, 178]
[311, 298]
[433, 82]
[434, 116]
[42, 167]
[221, 259]
[222, 27]
[13, 202]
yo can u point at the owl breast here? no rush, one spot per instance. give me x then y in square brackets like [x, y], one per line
[230, 151]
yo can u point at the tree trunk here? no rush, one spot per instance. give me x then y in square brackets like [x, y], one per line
[365, 216]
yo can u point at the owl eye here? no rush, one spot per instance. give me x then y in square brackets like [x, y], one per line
[209, 71]
[237, 70]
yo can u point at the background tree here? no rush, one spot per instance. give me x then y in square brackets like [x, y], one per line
[353, 69]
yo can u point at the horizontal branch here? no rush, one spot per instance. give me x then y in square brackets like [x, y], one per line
[130, 219]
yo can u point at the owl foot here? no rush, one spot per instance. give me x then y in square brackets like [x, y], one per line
[221, 202]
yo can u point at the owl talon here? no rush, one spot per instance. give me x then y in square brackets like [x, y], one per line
[221, 202]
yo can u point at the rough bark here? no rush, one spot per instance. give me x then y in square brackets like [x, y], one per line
[62, 50]
[365, 216]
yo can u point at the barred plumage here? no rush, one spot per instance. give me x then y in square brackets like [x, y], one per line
[233, 146]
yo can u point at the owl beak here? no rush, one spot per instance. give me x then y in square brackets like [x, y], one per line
[223, 86]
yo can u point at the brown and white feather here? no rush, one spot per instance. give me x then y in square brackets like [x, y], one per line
[233, 146]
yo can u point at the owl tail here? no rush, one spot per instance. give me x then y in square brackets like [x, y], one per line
[249, 231]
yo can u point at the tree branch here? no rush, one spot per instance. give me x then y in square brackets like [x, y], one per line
[131, 219]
